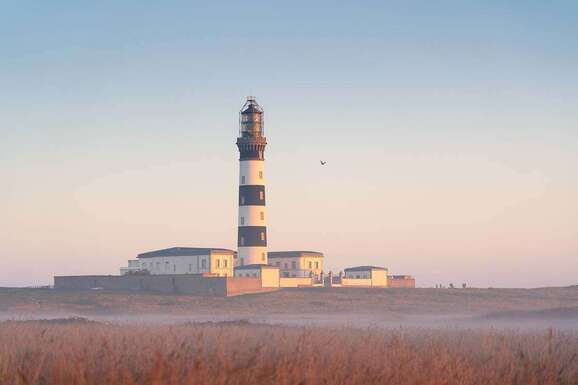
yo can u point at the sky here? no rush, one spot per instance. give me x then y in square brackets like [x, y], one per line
[450, 131]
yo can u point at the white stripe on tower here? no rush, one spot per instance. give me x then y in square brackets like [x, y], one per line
[252, 233]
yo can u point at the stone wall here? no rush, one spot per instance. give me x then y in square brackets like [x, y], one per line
[244, 285]
[178, 284]
[406, 281]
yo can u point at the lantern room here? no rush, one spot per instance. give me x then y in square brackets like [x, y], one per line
[251, 119]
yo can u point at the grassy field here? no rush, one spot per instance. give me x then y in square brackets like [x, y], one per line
[297, 301]
[360, 336]
[87, 353]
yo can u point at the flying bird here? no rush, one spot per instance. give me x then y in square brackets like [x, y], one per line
[322, 163]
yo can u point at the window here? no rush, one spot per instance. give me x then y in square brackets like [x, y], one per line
[242, 261]
[262, 215]
[310, 265]
[317, 265]
[204, 264]
[167, 266]
[242, 220]
[174, 268]
[158, 265]
[243, 179]
[277, 263]
[286, 265]
[262, 236]
[263, 257]
[190, 268]
[261, 195]
[260, 174]
[242, 241]
[294, 265]
[218, 263]
[225, 262]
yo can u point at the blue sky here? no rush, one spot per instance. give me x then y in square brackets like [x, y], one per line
[450, 131]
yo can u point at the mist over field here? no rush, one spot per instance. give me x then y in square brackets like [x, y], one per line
[291, 336]
[298, 336]
[358, 308]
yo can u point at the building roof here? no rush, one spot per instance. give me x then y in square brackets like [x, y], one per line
[255, 266]
[182, 251]
[364, 268]
[251, 106]
[294, 253]
[250, 109]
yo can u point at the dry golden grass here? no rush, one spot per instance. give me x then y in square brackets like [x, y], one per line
[86, 353]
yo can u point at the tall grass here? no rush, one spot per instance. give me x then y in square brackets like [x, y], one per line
[101, 354]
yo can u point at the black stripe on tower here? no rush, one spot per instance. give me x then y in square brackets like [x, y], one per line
[252, 195]
[252, 148]
[252, 236]
[251, 155]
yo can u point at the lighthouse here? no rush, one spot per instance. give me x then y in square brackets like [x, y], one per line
[252, 229]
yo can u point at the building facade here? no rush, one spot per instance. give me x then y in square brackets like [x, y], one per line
[184, 260]
[269, 275]
[370, 276]
[252, 228]
[297, 264]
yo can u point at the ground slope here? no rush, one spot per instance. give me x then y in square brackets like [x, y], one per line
[338, 305]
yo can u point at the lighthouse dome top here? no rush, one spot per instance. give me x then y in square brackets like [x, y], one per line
[251, 106]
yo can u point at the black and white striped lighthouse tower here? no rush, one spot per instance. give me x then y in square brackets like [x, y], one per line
[252, 236]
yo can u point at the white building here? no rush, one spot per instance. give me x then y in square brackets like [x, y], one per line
[269, 275]
[370, 276]
[183, 260]
[300, 264]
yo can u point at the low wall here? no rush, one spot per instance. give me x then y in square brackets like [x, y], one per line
[295, 281]
[244, 285]
[407, 283]
[178, 284]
